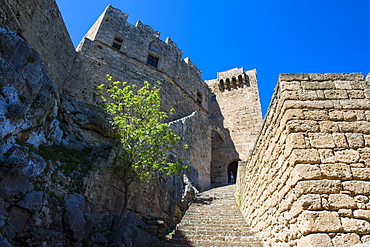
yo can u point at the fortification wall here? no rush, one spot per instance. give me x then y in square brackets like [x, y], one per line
[236, 116]
[181, 85]
[40, 23]
[133, 44]
[308, 183]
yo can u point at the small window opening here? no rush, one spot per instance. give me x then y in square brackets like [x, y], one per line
[117, 43]
[213, 98]
[199, 98]
[153, 61]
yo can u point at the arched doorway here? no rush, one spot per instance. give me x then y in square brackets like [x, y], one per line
[232, 168]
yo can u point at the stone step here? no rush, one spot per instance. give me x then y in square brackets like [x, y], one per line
[214, 236]
[213, 220]
[204, 232]
[213, 243]
[218, 228]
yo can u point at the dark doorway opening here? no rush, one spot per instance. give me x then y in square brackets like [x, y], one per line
[232, 171]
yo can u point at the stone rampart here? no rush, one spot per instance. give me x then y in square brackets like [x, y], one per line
[113, 45]
[236, 117]
[40, 23]
[307, 182]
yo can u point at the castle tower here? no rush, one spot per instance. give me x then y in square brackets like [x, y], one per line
[236, 119]
[135, 53]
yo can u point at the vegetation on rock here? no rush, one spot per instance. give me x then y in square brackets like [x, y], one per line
[141, 138]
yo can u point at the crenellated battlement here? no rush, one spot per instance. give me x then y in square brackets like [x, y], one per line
[138, 41]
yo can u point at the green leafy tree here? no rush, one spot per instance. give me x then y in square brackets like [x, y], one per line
[141, 137]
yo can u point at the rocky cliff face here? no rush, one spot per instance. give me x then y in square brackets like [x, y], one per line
[51, 192]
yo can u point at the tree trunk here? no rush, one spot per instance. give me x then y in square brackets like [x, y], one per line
[123, 214]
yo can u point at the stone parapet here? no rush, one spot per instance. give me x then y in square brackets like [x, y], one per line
[307, 181]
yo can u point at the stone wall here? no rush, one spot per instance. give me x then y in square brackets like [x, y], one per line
[307, 183]
[195, 132]
[181, 85]
[40, 23]
[236, 118]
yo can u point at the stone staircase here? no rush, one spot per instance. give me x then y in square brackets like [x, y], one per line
[213, 220]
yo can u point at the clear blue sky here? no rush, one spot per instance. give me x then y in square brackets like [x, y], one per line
[285, 36]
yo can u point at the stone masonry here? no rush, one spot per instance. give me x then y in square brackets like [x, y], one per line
[236, 119]
[114, 46]
[303, 174]
[307, 183]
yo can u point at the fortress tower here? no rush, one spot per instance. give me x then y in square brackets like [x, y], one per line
[236, 119]
[134, 53]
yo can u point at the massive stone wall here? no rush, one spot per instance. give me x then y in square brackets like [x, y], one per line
[40, 23]
[236, 118]
[182, 89]
[307, 183]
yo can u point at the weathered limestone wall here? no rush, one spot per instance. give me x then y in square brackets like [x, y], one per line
[236, 118]
[40, 23]
[181, 85]
[308, 183]
[195, 132]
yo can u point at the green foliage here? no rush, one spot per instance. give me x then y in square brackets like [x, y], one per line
[71, 159]
[239, 200]
[16, 111]
[142, 138]
[31, 59]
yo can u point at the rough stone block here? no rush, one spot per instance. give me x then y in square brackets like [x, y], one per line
[339, 201]
[355, 127]
[355, 140]
[327, 156]
[350, 115]
[347, 156]
[335, 94]
[363, 104]
[290, 85]
[356, 94]
[305, 172]
[310, 85]
[293, 77]
[343, 84]
[336, 115]
[340, 140]
[361, 173]
[328, 127]
[344, 76]
[307, 156]
[324, 186]
[355, 225]
[321, 140]
[365, 156]
[315, 240]
[365, 239]
[345, 212]
[295, 140]
[319, 221]
[361, 199]
[362, 214]
[336, 171]
[350, 239]
[320, 115]
[305, 202]
[357, 187]
[302, 126]
[367, 140]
